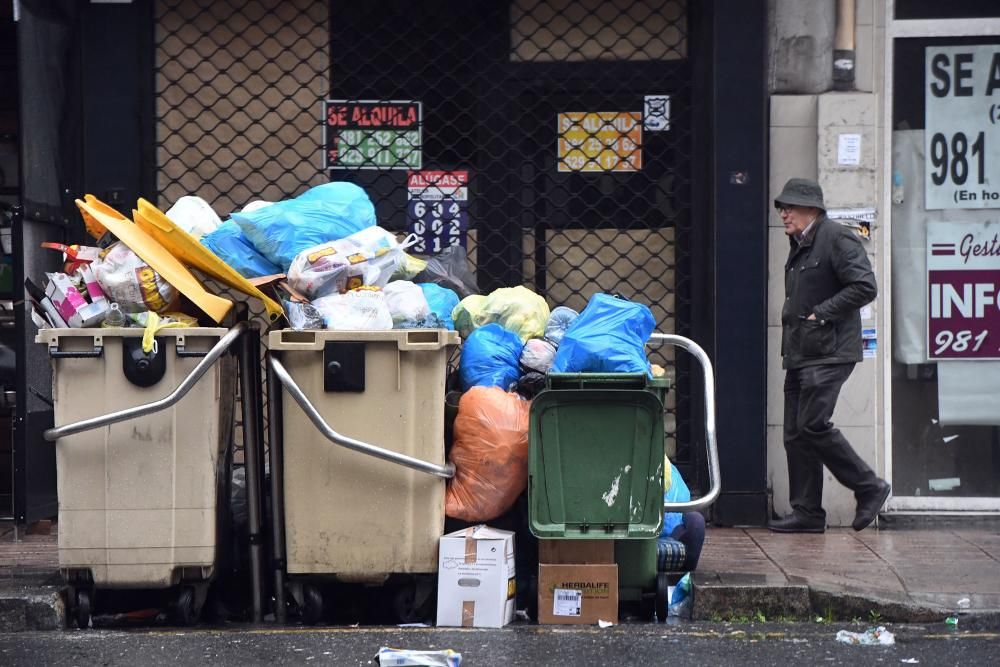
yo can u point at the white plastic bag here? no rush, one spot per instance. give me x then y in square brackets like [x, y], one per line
[128, 280]
[358, 310]
[194, 215]
[368, 257]
[538, 355]
[407, 304]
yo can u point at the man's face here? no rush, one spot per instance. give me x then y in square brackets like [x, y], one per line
[796, 218]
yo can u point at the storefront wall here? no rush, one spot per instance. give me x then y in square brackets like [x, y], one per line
[942, 161]
[928, 425]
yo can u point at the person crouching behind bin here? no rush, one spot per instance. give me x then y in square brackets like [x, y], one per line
[827, 280]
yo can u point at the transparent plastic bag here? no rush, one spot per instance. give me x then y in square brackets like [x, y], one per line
[538, 355]
[559, 320]
[357, 310]
[450, 268]
[131, 282]
[368, 257]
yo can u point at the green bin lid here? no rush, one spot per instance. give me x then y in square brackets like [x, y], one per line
[596, 463]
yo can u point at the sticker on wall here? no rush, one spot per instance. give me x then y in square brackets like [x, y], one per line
[961, 113]
[437, 209]
[656, 113]
[369, 134]
[869, 342]
[858, 219]
[600, 141]
[963, 290]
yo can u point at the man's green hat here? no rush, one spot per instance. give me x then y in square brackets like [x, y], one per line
[801, 192]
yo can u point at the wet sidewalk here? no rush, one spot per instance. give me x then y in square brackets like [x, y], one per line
[918, 573]
[30, 584]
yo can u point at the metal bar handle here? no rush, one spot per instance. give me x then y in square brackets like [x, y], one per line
[446, 471]
[167, 401]
[714, 476]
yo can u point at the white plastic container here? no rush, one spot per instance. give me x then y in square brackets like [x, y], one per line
[138, 500]
[348, 513]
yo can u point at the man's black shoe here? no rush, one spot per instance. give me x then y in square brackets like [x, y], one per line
[796, 524]
[870, 504]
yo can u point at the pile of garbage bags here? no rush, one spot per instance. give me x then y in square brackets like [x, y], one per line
[321, 260]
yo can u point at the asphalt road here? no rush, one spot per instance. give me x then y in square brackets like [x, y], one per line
[645, 644]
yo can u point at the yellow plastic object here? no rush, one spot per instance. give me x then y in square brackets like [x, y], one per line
[189, 251]
[154, 254]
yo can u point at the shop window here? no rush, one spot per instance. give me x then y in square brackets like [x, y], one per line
[945, 268]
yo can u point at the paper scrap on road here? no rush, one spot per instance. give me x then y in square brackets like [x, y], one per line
[604, 624]
[871, 637]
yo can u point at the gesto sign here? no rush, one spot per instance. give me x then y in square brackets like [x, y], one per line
[963, 290]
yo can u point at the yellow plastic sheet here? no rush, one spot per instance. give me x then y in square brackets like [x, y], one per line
[192, 253]
[95, 211]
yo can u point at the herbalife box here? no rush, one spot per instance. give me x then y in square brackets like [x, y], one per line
[476, 578]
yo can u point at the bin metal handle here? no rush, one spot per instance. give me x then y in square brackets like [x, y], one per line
[714, 476]
[446, 471]
[98, 351]
[167, 401]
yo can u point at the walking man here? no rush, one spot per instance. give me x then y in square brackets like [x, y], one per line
[827, 280]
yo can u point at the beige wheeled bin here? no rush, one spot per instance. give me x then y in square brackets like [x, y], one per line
[358, 512]
[139, 484]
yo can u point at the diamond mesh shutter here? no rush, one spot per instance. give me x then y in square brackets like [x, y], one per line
[536, 133]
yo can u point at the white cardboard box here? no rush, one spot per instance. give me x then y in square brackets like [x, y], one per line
[476, 578]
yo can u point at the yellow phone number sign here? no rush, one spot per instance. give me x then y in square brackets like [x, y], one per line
[600, 141]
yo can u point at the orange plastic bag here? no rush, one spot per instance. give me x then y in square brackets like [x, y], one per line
[490, 454]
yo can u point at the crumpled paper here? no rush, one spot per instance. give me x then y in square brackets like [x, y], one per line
[871, 637]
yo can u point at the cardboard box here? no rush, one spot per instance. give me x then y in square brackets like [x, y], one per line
[577, 594]
[576, 552]
[476, 578]
[70, 303]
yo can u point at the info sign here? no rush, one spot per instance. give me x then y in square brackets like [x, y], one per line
[962, 127]
[369, 134]
[963, 290]
[437, 209]
[600, 141]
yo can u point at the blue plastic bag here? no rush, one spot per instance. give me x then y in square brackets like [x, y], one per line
[442, 301]
[609, 336]
[677, 493]
[232, 247]
[489, 358]
[324, 213]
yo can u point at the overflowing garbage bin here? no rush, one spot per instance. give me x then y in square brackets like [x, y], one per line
[374, 505]
[596, 468]
[142, 459]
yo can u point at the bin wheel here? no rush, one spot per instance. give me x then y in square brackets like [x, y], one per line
[413, 601]
[312, 607]
[662, 595]
[82, 609]
[184, 611]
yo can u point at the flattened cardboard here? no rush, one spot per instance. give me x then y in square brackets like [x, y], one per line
[576, 552]
[596, 588]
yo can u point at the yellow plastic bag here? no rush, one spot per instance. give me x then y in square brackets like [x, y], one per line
[467, 313]
[516, 309]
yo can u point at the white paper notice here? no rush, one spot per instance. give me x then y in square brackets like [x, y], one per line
[849, 149]
[866, 312]
[566, 602]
